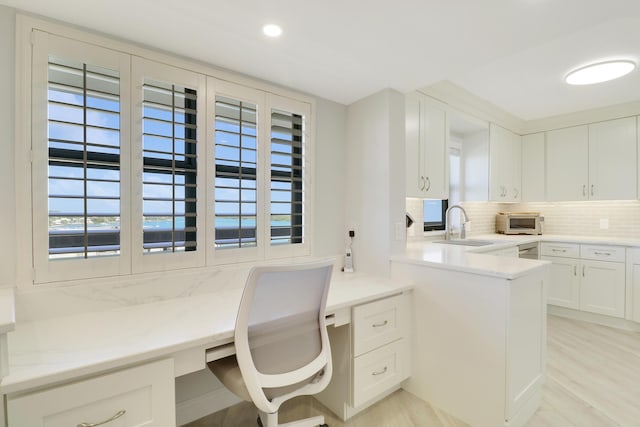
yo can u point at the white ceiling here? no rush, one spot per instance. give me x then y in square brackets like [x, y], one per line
[513, 53]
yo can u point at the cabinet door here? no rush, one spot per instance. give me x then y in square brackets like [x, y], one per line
[612, 160]
[564, 284]
[414, 160]
[567, 164]
[436, 134]
[533, 167]
[602, 287]
[500, 168]
[140, 396]
[515, 190]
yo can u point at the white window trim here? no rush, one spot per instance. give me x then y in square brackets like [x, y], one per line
[256, 97]
[46, 270]
[143, 263]
[24, 156]
[293, 106]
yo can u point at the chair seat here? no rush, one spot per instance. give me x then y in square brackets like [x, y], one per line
[228, 372]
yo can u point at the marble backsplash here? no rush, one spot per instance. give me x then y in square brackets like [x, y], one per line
[63, 299]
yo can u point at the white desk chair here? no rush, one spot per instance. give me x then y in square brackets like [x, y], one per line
[281, 341]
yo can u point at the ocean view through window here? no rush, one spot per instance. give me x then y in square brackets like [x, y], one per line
[84, 159]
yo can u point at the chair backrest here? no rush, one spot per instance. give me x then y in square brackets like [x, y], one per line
[281, 340]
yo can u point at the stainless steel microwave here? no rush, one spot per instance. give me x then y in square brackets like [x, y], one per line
[518, 223]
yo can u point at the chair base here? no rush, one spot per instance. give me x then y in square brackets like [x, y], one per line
[271, 420]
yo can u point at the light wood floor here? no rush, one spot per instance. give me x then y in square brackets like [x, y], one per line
[593, 380]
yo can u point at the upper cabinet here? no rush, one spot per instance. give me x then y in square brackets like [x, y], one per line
[505, 165]
[592, 162]
[533, 167]
[427, 132]
[612, 160]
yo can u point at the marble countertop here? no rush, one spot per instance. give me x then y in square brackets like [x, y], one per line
[59, 349]
[7, 310]
[468, 259]
[472, 259]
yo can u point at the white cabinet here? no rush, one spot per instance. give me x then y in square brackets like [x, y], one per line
[505, 165]
[633, 284]
[592, 162]
[602, 287]
[587, 277]
[426, 133]
[567, 164]
[139, 396]
[612, 160]
[564, 286]
[371, 356]
[533, 167]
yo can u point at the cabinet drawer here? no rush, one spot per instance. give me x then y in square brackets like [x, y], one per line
[635, 256]
[568, 250]
[603, 253]
[146, 393]
[377, 323]
[378, 371]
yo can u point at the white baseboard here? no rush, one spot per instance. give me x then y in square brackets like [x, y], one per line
[204, 404]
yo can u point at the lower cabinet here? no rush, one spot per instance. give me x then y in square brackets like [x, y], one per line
[370, 355]
[633, 285]
[587, 277]
[139, 396]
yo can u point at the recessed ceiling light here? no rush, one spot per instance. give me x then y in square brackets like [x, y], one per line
[272, 30]
[600, 72]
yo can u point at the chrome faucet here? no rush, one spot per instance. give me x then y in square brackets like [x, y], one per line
[463, 234]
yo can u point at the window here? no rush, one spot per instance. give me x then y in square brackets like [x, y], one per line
[434, 214]
[236, 163]
[168, 181]
[169, 152]
[129, 175]
[80, 160]
[83, 118]
[286, 178]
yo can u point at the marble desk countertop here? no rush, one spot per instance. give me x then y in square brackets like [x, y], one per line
[59, 349]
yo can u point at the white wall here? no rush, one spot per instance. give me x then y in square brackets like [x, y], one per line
[375, 178]
[330, 177]
[7, 183]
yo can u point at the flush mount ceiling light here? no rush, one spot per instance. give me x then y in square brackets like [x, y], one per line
[272, 30]
[600, 72]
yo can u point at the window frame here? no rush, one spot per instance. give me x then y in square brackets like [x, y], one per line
[46, 270]
[437, 225]
[288, 250]
[148, 262]
[32, 268]
[256, 97]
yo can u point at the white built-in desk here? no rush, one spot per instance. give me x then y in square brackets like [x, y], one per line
[71, 365]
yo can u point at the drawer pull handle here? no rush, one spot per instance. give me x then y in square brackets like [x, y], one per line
[115, 417]
[602, 253]
[380, 372]
[381, 324]
[558, 250]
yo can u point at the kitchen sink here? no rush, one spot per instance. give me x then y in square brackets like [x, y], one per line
[465, 242]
